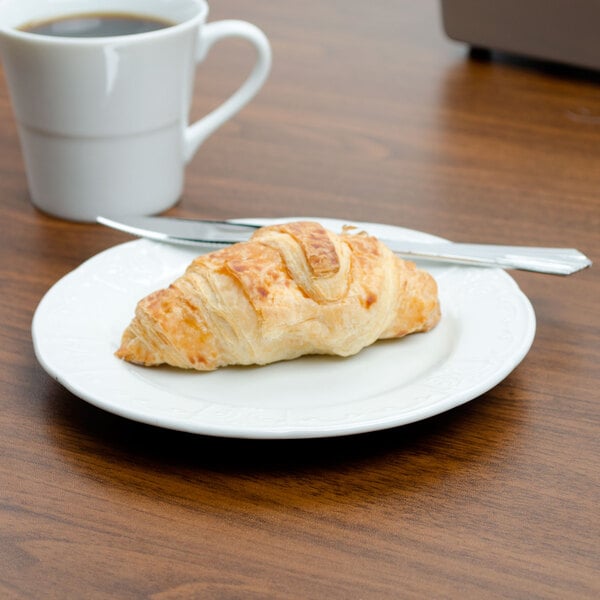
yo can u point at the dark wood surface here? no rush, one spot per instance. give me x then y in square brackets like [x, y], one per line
[370, 114]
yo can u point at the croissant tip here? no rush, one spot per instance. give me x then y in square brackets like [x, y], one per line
[122, 354]
[133, 349]
[127, 355]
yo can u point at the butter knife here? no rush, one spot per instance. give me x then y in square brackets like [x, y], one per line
[196, 232]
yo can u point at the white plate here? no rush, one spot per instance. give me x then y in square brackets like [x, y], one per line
[486, 329]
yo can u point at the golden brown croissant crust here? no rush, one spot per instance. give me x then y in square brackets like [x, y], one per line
[291, 290]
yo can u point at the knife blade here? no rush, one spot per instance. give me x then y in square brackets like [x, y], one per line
[208, 233]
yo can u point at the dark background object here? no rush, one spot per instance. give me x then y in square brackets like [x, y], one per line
[564, 31]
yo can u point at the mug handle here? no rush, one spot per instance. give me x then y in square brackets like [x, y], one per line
[196, 133]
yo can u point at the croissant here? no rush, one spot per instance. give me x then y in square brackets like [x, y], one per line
[290, 290]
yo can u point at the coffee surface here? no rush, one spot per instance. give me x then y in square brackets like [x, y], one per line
[96, 25]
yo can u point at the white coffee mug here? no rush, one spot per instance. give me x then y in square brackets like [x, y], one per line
[103, 121]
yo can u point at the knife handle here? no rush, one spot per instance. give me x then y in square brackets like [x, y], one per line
[555, 261]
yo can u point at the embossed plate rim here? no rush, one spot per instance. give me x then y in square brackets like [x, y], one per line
[77, 351]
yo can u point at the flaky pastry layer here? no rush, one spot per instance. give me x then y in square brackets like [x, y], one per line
[291, 290]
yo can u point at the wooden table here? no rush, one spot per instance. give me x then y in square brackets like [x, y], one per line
[370, 114]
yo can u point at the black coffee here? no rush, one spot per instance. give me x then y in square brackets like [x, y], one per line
[96, 25]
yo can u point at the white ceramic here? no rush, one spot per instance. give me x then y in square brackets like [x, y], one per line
[103, 122]
[487, 327]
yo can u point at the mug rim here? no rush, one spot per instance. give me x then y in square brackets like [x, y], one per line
[40, 38]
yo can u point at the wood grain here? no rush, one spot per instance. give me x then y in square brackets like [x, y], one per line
[369, 114]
